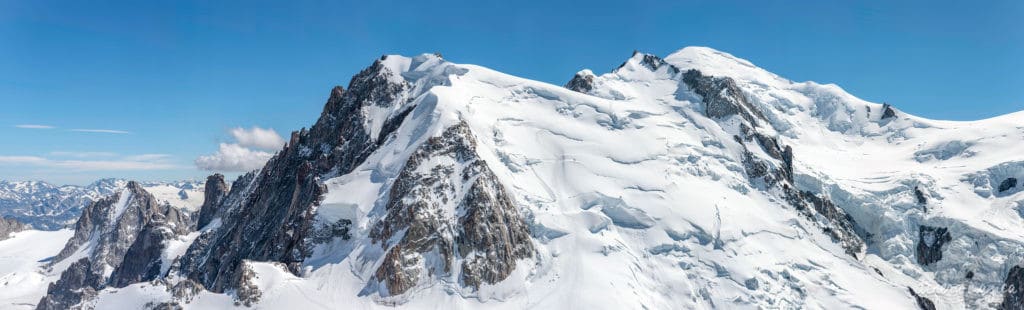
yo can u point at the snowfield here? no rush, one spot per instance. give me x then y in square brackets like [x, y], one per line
[636, 198]
[23, 278]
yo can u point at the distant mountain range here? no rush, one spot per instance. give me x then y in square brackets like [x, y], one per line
[46, 206]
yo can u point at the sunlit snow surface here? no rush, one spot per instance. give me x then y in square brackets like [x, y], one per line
[637, 200]
[23, 279]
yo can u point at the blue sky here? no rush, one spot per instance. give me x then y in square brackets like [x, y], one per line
[177, 76]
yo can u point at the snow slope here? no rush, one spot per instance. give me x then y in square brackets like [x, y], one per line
[23, 278]
[637, 198]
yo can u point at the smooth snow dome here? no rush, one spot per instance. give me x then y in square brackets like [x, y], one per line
[637, 200]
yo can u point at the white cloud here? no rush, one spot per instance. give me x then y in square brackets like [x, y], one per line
[256, 137]
[250, 150]
[34, 126]
[102, 131]
[233, 157]
[127, 163]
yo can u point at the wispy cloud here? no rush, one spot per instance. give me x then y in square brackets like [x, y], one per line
[34, 126]
[82, 154]
[101, 131]
[148, 157]
[31, 160]
[139, 162]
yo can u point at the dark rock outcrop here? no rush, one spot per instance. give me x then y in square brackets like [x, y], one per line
[582, 82]
[269, 217]
[922, 302]
[887, 111]
[839, 225]
[722, 97]
[144, 263]
[930, 242]
[246, 292]
[1007, 184]
[215, 191]
[485, 232]
[185, 290]
[775, 150]
[9, 226]
[1013, 290]
[776, 173]
[77, 283]
[124, 235]
[651, 62]
[167, 305]
[921, 199]
[115, 222]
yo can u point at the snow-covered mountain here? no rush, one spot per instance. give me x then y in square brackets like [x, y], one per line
[50, 207]
[697, 180]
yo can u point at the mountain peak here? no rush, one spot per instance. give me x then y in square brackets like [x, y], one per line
[717, 63]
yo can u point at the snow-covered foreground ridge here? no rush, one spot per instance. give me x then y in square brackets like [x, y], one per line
[697, 180]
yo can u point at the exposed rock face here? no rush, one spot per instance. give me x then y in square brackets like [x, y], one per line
[930, 242]
[269, 217]
[246, 291]
[124, 235]
[838, 224]
[582, 82]
[922, 302]
[145, 263]
[9, 226]
[776, 172]
[1007, 184]
[920, 196]
[215, 191]
[170, 305]
[652, 62]
[887, 111]
[721, 96]
[448, 207]
[327, 232]
[185, 290]
[1013, 289]
[79, 282]
[921, 199]
[775, 150]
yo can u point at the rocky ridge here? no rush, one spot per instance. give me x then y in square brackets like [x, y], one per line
[118, 240]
